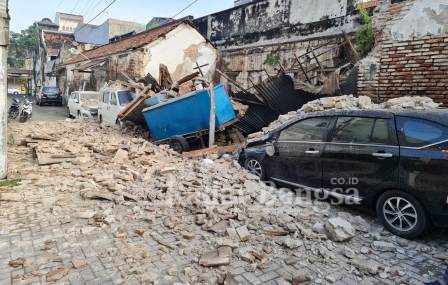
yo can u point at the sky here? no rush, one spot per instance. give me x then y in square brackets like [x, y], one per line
[25, 12]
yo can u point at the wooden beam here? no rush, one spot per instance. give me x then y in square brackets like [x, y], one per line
[199, 68]
[350, 45]
[317, 60]
[302, 68]
[232, 81]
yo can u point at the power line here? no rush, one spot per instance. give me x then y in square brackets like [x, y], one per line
[101, 12]
[189, 5]
[84, 10]
[59, 5]
[76, 5]
[94, 6]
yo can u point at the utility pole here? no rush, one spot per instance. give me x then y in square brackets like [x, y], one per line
[4, 42]
[211, 133]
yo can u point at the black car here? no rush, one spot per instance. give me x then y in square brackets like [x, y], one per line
[391, 162]
[49, 94]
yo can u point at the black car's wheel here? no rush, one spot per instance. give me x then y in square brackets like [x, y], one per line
[402, 214]
[255, 167]
[179, 144]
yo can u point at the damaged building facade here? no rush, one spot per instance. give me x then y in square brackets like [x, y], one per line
[177, 45]
[53, 47]
[411, 56]
[260, 37]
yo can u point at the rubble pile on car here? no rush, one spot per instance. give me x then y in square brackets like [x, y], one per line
[209, 215]
[350, 102]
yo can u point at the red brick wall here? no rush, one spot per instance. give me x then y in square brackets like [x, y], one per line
[418, 67]
[402, 68]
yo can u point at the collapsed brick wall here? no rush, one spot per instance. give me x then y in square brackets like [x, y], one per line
[403, 67]
[253, 64]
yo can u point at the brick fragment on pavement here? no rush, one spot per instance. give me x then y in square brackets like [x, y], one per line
[212, 259]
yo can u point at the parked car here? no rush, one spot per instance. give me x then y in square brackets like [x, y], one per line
[111, 102]
[83, 104]
[396, 160]
[49, 94]
[14, 91]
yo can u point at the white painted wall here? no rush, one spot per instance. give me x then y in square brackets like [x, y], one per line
[300, 10]
[172, 51]
[426, 17]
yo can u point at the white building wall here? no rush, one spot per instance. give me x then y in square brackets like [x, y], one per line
[179, 50]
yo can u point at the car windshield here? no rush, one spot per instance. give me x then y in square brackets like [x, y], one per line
[51, 89]
[124, 97]
[89, 96]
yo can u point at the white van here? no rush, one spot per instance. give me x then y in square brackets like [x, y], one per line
[82, 104]
[111, 102]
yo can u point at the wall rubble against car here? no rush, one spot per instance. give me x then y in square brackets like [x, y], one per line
[411, 57]
[266, 34]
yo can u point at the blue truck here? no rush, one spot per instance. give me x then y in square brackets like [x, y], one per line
[186, 119]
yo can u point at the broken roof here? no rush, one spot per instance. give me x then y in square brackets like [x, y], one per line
[54, 40]
[132, 42]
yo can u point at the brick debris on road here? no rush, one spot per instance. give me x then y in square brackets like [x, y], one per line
[98, 206]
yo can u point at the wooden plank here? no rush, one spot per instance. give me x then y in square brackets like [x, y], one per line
[350, 45]
[199, 68]
[317, 60]
[188, 78]
[212, 150]
[232, 81]
[131, 85]
[48, 159]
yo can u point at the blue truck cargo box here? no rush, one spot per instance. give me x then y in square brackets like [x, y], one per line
[188, 114]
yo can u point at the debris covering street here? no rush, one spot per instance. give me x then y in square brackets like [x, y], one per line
[123, 211]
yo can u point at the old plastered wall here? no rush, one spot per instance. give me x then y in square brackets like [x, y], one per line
[180, 50]
[411, 57]
[267, 34]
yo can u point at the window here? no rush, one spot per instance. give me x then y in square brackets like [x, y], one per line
[314, 129]
[51, 90]
[361, 131]
[353, 130]
[106, 97]
[418, 133]
[113, 99]
[381, 132]
[124, 97]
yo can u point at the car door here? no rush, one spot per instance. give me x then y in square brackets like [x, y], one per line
[106, 108]
[102, 105]
[424, 160]
[298, 153]
[70, 104]
[361, 157]
[114, 108]
[76, 101]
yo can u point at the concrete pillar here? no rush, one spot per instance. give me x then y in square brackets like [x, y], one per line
[4, 41]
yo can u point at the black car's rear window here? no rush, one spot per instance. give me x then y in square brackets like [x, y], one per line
[413, 132]
[361, 131]
[51, 90]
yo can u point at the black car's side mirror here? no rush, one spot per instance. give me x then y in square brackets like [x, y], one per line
[270, 149]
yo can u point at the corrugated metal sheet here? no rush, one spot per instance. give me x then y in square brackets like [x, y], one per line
[280, 97]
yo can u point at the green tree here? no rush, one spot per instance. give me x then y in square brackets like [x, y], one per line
[21, 46]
